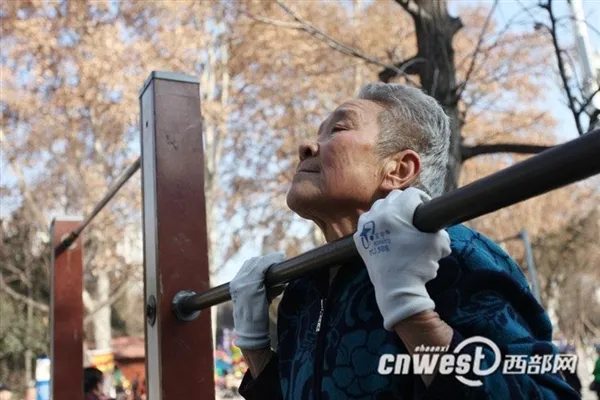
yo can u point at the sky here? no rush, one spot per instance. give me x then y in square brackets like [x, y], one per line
[554, 101]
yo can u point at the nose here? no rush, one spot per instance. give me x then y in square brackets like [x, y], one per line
[308, 149]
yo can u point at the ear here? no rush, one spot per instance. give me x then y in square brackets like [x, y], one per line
[400, 170]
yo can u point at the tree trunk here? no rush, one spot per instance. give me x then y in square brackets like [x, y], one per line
[101, 320]
[454, 157]
[135, 321]
[552, 303]
[214, 129]
[435, 29]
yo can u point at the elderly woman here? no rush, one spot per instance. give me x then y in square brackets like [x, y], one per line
[341, 332]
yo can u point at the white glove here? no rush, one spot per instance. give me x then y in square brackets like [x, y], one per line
[250, 303]
[400, 259]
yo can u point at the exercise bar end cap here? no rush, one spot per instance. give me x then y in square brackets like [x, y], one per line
[176, 306]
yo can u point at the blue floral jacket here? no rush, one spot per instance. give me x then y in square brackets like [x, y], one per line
[330, 338]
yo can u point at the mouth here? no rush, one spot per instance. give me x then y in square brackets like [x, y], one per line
[307, 169]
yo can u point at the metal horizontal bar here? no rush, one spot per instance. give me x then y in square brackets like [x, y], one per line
[556, 167]
[112, 190]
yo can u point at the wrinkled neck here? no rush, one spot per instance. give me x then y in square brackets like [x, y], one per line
[333, 230]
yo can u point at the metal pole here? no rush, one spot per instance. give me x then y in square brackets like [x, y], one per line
[549, 170]
[112, 190]
[530, 264]
[585, 54]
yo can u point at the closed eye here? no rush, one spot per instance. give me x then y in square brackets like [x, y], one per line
[338, 129]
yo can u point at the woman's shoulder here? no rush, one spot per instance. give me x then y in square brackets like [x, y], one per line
[472, 250]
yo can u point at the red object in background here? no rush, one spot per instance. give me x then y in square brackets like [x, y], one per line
[130, 358]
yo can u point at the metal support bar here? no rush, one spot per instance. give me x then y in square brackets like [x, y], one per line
[556, 167]
[506, 239]
[585, 54]
[112, 190]
[523, 235]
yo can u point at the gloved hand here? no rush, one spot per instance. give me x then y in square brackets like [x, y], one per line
[400, 259]
[250, 303]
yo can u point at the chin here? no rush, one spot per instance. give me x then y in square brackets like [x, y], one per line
[301, 203]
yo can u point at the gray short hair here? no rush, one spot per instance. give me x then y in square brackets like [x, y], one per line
[413, 120]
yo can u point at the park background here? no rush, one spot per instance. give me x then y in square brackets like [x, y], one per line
[508, 73]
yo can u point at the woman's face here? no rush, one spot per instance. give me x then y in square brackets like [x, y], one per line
[340, 168]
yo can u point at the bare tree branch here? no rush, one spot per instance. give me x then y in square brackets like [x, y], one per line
[27, 195]
[487, 79]
[335, 44]
[473, 151]
[413, 9]
[511, 129]
[592, 27]
[418, 13]
[552, 29]
[594, 329]
[17, 296]
[594, 118]
[113, 298]
[422, 16]
[462, 86]
[587, 102]
[500, 36]
[406, 67]
[88, 302]
[19, 273]
[482, 97]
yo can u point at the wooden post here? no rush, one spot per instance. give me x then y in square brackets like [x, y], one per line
[66, 313]
[179, 358]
